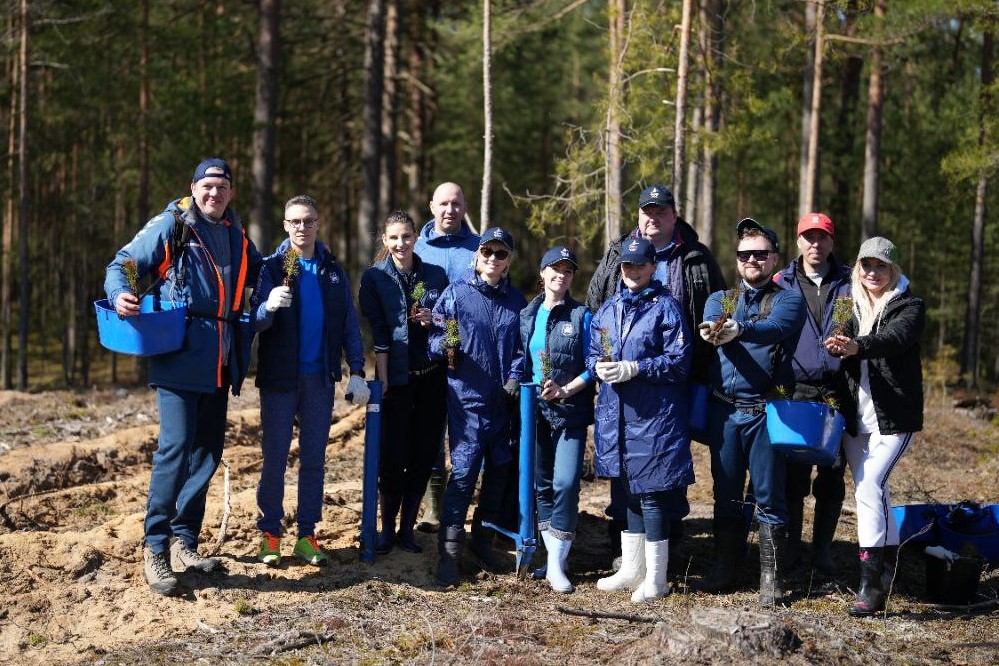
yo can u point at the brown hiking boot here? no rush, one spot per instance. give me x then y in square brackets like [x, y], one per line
[157, 571]
[183, 558]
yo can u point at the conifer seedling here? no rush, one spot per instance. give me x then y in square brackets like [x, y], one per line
[291, 268]
[452, 338]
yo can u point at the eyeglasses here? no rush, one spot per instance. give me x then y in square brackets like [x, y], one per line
[304, 223]
[746, 255]
[489, 252]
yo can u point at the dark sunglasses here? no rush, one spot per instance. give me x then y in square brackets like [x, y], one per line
[746, 255]
[499, 254]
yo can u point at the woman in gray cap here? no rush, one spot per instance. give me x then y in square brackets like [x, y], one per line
[554, 330]
[882, 401]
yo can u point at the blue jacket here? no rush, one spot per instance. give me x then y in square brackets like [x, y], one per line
[645, 418]
[813, 365]
[197, 366]
[489, 354]
[747, 368]
[564, 343]
[277, 354]
[452, 252]
[383, 302]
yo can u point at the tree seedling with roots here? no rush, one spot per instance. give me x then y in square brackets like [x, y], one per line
[605, 345]
[546, 366]
[832, 403]
[131, 270]
[452, 338]
[419, 291]
[842, 313]
[729, 303]
[780, 392]
[291, 268]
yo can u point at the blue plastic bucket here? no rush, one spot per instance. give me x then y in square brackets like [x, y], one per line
[805, 432]
[975, 536]
[912, 518]
[157, 329]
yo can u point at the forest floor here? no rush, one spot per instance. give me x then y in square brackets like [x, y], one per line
[74, 468]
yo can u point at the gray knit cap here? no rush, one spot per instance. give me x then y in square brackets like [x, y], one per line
[878, 248]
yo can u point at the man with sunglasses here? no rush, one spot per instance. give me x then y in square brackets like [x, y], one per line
[446, 241]
[754, 344]
[689, 273]
[821, 279]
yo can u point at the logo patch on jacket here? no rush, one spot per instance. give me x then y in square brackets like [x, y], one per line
[567, 329]
[433, 295]
[334, 278]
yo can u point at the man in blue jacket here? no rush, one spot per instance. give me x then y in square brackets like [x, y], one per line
[199, 254]
[754, 345]
[820, 279]
[446, 241]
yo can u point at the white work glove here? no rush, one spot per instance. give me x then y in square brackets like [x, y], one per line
[358, 390]
[280, 297]
[730, 330]
[614, 372]
[941, 553]
[704, 328]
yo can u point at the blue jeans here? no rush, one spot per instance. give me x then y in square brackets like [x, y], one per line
[652, 513]
[559, 466]
[192, 434]
[313, 403]
[739, 443]
[461, 487]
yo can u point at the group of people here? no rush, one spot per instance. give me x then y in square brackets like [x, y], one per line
[659, 338]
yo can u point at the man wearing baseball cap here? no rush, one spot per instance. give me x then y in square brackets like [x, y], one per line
[753, 345]
[688, 272]
[199, 253]
[820, 279]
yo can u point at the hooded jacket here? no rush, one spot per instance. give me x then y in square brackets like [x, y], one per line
[489, 354]
[701, 277]
[383, 302]
[643, 422]
[895, 371]
[277, 354]
[452, 252]
[197, 365]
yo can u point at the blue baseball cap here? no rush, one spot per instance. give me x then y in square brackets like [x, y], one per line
[638, 251]
[750, 223]
[496, 234]
[658, 195]
[218, 166]
[557, 254]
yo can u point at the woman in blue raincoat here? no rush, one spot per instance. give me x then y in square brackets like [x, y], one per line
[476, 326]
[641, 417]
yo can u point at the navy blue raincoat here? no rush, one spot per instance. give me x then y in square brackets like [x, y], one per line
[488, 356]
[643, 422]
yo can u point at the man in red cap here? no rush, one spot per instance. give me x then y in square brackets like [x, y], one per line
[820, 278]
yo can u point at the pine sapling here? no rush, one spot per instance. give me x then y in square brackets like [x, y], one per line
[131, 270]
[419, 291]
[291, 268]
[546, 366]
[729, 303]
[832, 403]
[842, 314]
[452, 338]
[780, 392]
[605, 345]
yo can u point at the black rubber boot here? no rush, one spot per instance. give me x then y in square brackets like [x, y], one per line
[871, 596]
[730, 540]
[405, 537]
[390, 509]
[450, 543]
[795, 519]
[434, 499]
[676, 565]
[888, 567]
[773, 550]
[823, 531]
[482, 544]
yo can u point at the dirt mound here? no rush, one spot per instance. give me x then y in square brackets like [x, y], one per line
[73, 589]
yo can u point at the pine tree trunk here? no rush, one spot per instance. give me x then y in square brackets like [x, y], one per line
[265, 121]
[617, 10]
[872, 138]
[390, 106]
[7, 276]
[679, 128]
[22, 155]
[711, 41]
[487, 112]
[806, 106]
[810, 201]
[374, 56]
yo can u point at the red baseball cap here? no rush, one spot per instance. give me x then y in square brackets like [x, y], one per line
[818, 221]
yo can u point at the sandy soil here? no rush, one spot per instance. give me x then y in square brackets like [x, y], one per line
[73, 474]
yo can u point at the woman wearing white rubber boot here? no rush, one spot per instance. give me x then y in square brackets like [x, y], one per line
[555, 332]
[641, 416]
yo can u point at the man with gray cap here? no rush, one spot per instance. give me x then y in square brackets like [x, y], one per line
[198, 253]
[689, 273]
[754, 344]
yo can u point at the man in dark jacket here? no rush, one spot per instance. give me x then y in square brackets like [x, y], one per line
[201, 255]
[689, 273]
[821, 280]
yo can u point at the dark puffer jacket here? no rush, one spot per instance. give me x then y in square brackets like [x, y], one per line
[894, 367]
[701, 278]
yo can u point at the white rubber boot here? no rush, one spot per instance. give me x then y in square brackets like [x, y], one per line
[656, 559]
[558, 551]
[632, 571]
